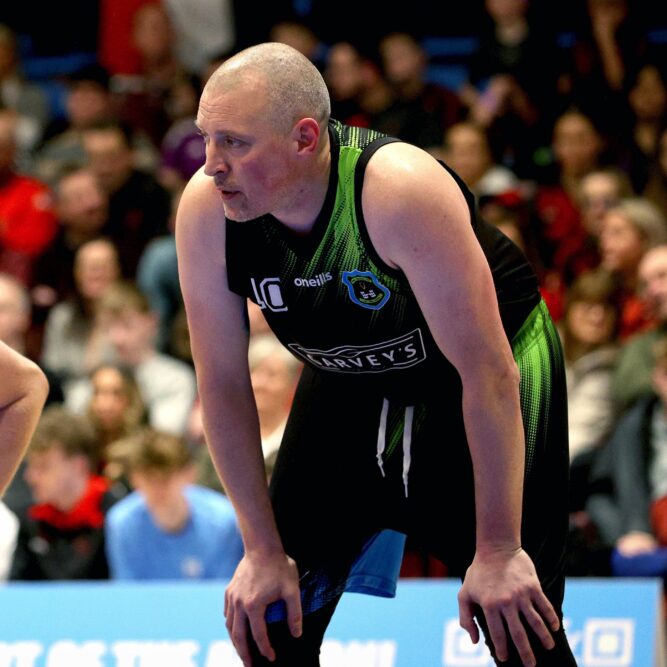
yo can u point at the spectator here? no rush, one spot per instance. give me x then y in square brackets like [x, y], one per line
[588, 329]
[82, 210]
[139, 206]
[647, 107]
[182, 150]
[504, 92]
[630, 481]
[629, 229]
[167, 385]
[599, 190]
[468, 152]
[589, 342]
[140, 97]
[116, 407]
[15, 328]
[273, 373]
[74, 343]
[61, 535]
[26, 210]
[632, 376]
[88, 101]
[423, 111]
[609, 42]
[169, 528]
[26, 99]
[157, 277]
[578, 148]
[344, 79]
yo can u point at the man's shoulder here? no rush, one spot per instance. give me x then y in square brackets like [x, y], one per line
[128, 511]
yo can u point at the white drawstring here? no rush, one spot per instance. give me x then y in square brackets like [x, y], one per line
[382, 433]
[407, 440]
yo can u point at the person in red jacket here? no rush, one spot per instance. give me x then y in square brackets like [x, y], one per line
[27, 219]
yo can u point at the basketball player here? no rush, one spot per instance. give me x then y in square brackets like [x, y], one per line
[432, 401]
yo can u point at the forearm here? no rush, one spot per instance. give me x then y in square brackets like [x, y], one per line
[232, 434]
[494, 429]
[19, 417]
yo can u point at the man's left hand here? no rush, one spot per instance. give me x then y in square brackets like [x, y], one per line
[504, 583]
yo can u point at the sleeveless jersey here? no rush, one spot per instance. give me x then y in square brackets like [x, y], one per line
[337, 306]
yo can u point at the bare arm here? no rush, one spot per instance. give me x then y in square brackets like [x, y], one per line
[219, 339]
[23, 391]
[420, 223]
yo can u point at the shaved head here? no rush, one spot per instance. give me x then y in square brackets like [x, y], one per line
[293, 86]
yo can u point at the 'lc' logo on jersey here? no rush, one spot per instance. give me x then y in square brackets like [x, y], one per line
[269, 295]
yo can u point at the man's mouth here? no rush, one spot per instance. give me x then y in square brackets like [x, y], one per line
[226, 195]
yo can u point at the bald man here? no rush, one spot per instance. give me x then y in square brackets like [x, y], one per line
[416, 324]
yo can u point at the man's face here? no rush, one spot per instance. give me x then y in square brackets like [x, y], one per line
[82, 206]
[248, 157]
[110, 157]
[653, 281]
[161, 490]
[131, 333]
[51, 474]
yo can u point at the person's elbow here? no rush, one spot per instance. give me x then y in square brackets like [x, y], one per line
[498, 376]
[35, 382]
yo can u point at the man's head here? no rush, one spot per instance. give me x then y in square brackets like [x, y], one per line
[88, 100]
[404, 59]
[110, 155]
[468, 152]
[61, 457]
[653, 281]
[160, 466]
[263, 114]
[15, 309]
[577, 143]
[81, 204]
[126, 315]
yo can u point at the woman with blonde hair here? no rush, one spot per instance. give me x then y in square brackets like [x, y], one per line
[630, 228]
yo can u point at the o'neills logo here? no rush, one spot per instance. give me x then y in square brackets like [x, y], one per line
[398, 353]
[315, 281]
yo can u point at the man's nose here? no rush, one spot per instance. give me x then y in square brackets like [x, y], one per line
[215, 163]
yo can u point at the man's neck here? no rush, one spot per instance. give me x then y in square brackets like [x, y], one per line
[173, 517]
[300, 217]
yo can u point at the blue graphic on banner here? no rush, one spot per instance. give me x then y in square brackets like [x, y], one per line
[610, 623]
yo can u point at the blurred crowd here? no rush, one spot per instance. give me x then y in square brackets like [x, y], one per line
[563, 141]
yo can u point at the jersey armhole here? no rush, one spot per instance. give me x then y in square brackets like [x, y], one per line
[359, 173]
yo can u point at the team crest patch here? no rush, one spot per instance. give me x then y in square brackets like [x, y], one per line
[365, 289]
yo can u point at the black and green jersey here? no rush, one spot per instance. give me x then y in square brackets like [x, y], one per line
[335, 304]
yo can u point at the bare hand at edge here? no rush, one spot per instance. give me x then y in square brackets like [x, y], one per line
[504, 584]
[257, 582]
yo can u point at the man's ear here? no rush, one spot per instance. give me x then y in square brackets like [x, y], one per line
[306, 134]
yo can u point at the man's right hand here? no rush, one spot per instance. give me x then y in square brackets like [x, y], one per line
[257, 582]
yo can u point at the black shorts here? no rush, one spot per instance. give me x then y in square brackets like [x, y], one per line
[331, 495]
